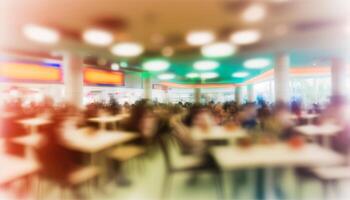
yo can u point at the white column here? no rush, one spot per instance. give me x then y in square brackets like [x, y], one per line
[238, 94]
[250, 93]
[147, 86]
[197, 95]
[281, 77]
[338, 76]
[73, 78]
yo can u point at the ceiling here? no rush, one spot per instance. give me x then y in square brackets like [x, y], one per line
[314, 29]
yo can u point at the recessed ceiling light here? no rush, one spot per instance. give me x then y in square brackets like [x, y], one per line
[156, 65]
[256, 63]
[204, 65]
[198, 38]
[217, 50]
[192, 75]
[245, 37]
[240, 74]
[41, 34]
[208, 75]
[254, 13]
[115, 66]
[98, 37]
[166, 76]
[127, 49]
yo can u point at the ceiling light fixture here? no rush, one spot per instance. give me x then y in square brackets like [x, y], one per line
[217, 50]
[127, 49]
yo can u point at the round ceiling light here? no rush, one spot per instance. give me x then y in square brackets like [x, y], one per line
[192, 75]
[156, 65]
[256, 63]
[205, 65]
[98, 37]
[167, 76]
[217, 50]
[245, 37]
[41, 34]
[198, 38]
[208, 75]
[127, 49]
[115, 66]
[240, 74]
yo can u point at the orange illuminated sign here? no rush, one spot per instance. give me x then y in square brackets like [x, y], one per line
[10, 71]
[103, 77]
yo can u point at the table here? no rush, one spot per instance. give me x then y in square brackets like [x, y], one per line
[81, 141]
[104, 120]
[325, 130]
[230, 158]
[217, 133]
[30, 142]
[34, 123]
[13, 168]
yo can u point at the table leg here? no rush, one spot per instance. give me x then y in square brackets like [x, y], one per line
[269, 183]
[227, 184]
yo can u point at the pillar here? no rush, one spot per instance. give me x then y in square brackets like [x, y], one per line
[338, 77]
[238, 94]
[281, 77]
[197, 95]
[73, 78]
[250, 93]
[147, 86]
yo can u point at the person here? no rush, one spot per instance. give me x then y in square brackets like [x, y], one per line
[248, 116]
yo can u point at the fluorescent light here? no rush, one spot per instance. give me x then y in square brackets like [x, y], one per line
[204, 65]
[254, 13]
[115, 66]
[127, 49]
[156, 65]
[41, 34]
[166, 76]
[98, 37]
[245, 37]
[256, 63]
[240, 74]
[220, 49]
[199, 38]
[192, 75]
[208, 75]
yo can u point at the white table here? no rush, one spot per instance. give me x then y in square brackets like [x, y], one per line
[325, 130]
[217, 133]
[96, 142]
[30, 142]
[34, 123]
[13, 168]
[230, 158]
[104, 120]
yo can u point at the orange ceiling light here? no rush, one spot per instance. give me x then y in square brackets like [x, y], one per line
[10, 71]
[103, 77]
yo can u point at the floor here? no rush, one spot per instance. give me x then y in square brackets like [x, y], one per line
[146, 176]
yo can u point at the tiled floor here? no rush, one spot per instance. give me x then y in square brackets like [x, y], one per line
[147, 184]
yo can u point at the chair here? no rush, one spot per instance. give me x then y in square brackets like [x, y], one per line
[186, 164]
[123, 154]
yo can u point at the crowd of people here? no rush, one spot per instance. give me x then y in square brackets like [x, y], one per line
[156, 122]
